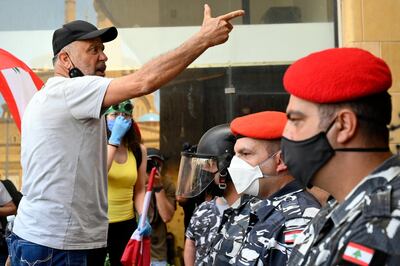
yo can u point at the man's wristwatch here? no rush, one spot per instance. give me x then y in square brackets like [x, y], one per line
[157, 189]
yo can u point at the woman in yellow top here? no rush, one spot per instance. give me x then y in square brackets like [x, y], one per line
[126, 161]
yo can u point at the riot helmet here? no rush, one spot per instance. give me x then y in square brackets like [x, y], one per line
[198, 169]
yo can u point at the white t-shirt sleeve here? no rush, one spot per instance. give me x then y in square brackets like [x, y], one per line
[4, 195]
[84, 96]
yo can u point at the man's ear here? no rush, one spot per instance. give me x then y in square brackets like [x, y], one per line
[346, 124]
[280, 165]
[63, 58]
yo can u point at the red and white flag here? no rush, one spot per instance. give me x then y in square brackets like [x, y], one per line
[358, 254]
[290, 236]
[138, 250]
[18, 84]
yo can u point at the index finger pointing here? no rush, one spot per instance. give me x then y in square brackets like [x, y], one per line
[207, 11]
[232, 15]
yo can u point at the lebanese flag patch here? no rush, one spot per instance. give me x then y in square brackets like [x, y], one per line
[358, 254]
[290, 236]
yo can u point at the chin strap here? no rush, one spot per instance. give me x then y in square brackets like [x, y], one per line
[222, 180]
[376, 149]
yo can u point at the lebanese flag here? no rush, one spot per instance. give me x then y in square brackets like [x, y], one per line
[358, 254]
[138, 250]
[290, 236]
[18, 84]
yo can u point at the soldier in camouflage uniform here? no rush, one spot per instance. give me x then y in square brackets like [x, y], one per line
[338, 114]
[281, 219]
[200, 170]
[273, 223]
[203, 228]
[236, 222]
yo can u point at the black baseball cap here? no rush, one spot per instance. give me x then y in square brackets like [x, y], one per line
[155, 153]
[80, 30]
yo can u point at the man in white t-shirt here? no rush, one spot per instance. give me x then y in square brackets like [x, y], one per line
[62, 218]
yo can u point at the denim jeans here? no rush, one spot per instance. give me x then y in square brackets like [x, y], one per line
[23, 252]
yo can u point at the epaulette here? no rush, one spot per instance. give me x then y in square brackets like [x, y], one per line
[291, 208]
[395, 198]
[379, 203]
[384, 201]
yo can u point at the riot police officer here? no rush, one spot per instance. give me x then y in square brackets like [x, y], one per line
[337, 138]
[206, 169]
[258, 169]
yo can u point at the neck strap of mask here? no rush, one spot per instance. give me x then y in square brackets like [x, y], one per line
[372, 149]
[376, 149]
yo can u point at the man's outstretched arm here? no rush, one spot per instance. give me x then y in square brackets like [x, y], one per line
[162, 69]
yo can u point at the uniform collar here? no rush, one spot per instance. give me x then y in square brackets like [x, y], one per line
[379, 178]
[291, 187]
[269, 205]
[241, 201]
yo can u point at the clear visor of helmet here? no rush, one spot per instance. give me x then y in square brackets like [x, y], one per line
[196, 172]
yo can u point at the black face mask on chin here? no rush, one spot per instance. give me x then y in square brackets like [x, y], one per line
[304, 158]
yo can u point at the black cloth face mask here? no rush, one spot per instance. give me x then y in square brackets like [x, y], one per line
[304, 158]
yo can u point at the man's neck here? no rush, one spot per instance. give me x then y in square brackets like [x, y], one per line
[347, 170]
[60, 71]
[230, 194]
[272, 184]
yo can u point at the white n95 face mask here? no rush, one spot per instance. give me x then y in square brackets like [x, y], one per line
[245, 176]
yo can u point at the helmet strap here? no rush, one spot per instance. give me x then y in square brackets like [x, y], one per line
[222, 180]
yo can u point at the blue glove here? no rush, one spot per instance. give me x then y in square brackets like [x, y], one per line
[120, 127]
[146, 230]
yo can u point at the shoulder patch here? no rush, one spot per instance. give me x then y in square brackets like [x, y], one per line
[358, 254]
[290, 236]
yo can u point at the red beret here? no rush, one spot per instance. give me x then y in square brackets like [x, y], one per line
[337, 75]
[264, 125]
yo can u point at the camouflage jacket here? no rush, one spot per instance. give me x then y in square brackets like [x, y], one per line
[280, 219]
[203, 227]
[236, 223]
[363, 230]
